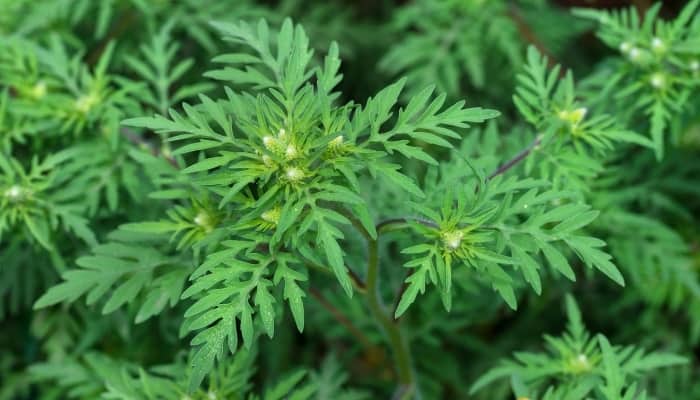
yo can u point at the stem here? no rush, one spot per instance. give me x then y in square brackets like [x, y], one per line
[397, 223]
[518, 157]
[529, 35]
[399, 346]
[390, 326]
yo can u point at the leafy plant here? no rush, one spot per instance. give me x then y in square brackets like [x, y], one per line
[278, 224]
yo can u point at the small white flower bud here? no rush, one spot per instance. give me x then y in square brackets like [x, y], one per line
[294, 174]
[657, 44]
[204, 220]
[625, 47]
[269, 142]
[337, 141]
[291, 152]
[14, 192]
[453, 239]
[658, 80]
[694, 65]
[635, 54]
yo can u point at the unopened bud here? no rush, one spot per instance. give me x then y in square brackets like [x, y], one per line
[625, 47]
[658, 80]
[658, 45]
[291, 152]
[294, 174]
[269, 142]
[14, 192]
[453, 239]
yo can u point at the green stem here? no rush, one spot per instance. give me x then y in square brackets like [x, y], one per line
[398, 343]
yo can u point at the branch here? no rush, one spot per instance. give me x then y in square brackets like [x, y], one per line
[515, 160]
[500, 170]
[387, 223]
[529, 35]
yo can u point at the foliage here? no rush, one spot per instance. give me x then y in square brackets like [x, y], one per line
[581, 366]
[199, 200]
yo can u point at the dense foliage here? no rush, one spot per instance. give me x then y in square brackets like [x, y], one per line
[208, 199]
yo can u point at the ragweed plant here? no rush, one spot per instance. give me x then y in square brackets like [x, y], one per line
[199, 200]
[658, 69]
[579, 365]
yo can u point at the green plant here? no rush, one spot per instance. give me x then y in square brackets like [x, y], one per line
[155, 225]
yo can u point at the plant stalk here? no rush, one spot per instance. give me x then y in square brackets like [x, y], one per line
[397, 341]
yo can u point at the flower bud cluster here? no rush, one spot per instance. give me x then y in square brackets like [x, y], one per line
[573, 118]
[283, 147]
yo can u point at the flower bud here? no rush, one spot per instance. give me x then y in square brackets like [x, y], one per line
[39, 90]
[453, 239]
[291, 152]
[658, 80]
[658, 45]
[86, 102]
[14, 193]
[204, 220]
[337, 142]
[271, 216]
[573, 117]
[269, 142]
[625, 47]
[294, 174]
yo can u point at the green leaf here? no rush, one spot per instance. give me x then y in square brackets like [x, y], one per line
[557, 260]
[586, 248]
[264, 300]
[415, 283]
[529, 268]
[391, 172]
[334, 255]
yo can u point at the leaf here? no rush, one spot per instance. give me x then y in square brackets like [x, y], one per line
[264, 301]
[586, 248]
[575, 222]
[151, 227]
[292, 292]
[391, 172]
[334, 255]
[529, 268]
[415, 283]
[557, 260]
[130, 267]
[39, 230]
